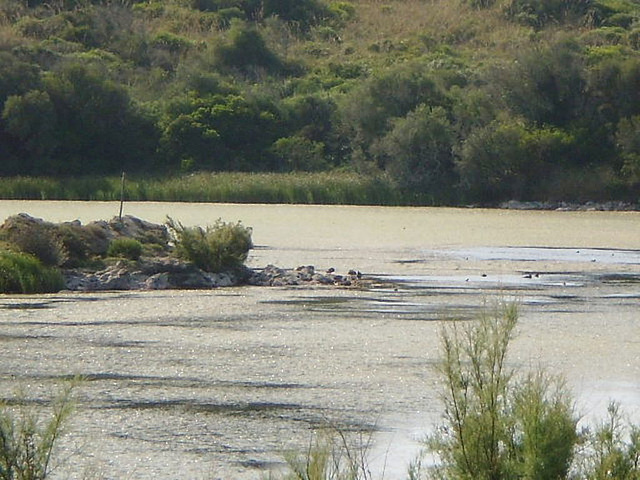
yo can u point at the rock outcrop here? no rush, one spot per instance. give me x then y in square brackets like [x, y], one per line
[306, 275]
[169, 274]
[159, 274]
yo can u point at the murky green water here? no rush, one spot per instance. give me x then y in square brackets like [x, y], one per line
[215, 384]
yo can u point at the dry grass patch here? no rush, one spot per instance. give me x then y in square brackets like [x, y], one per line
[414, 27]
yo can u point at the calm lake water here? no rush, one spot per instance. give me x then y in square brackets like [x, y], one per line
[217, 384]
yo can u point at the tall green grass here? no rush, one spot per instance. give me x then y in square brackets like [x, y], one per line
[42, 188]
[304, 188]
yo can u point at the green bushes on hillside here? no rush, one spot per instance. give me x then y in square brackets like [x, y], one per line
[238, 85]
[76, 114]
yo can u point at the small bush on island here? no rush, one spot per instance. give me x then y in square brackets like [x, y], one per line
[223, 246]
[37, 239]
[125, 247]
[24, 273]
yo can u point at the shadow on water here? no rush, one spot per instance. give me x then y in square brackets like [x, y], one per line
[620, 278]
[166, 381]
[51, 301]
[27, 305]
[189, 405]
[392, 302]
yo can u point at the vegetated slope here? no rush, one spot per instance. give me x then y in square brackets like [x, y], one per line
[454, 101]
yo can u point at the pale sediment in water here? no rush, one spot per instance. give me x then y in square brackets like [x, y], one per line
[216, 384]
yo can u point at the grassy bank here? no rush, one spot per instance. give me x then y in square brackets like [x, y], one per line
[305, 188]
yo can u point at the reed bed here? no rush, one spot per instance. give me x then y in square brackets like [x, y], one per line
[333, 188]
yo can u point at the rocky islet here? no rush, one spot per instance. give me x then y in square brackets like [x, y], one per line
[158, 268]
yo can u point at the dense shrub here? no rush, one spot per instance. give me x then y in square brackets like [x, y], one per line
[23, 273]
[39, 239]
[498, 425]
[79, 123]
[480, 3]
[368, 109]
[247, 53]
[418, 152]
[211, 133]
[299, 154]
[300, 14]
[545, 85]
[538, 13]
[510, 160]
[614, 86]
[628, 141]
[125, 247]
[16, 77]
[220, 247]
[312, 116]
[31, 119]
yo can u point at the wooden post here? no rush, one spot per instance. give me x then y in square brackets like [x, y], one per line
[121, 196]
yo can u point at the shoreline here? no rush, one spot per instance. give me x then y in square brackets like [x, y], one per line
[560, 206]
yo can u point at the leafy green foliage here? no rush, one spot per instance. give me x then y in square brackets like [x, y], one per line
[368, 109]
[247, 53]
[628, 140]
[220, 247]
[311, 116]
[418, 152]
[496, 425]
[506, 160]
[77, 116]
[538, 13]
[16, 76]
[125, 247]
[24, 273]
[212, 132]
[94, 88]
[544, 85]
[31, 118]
[299, 154]
[300, 13]
[39, 239]
[613, 449]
